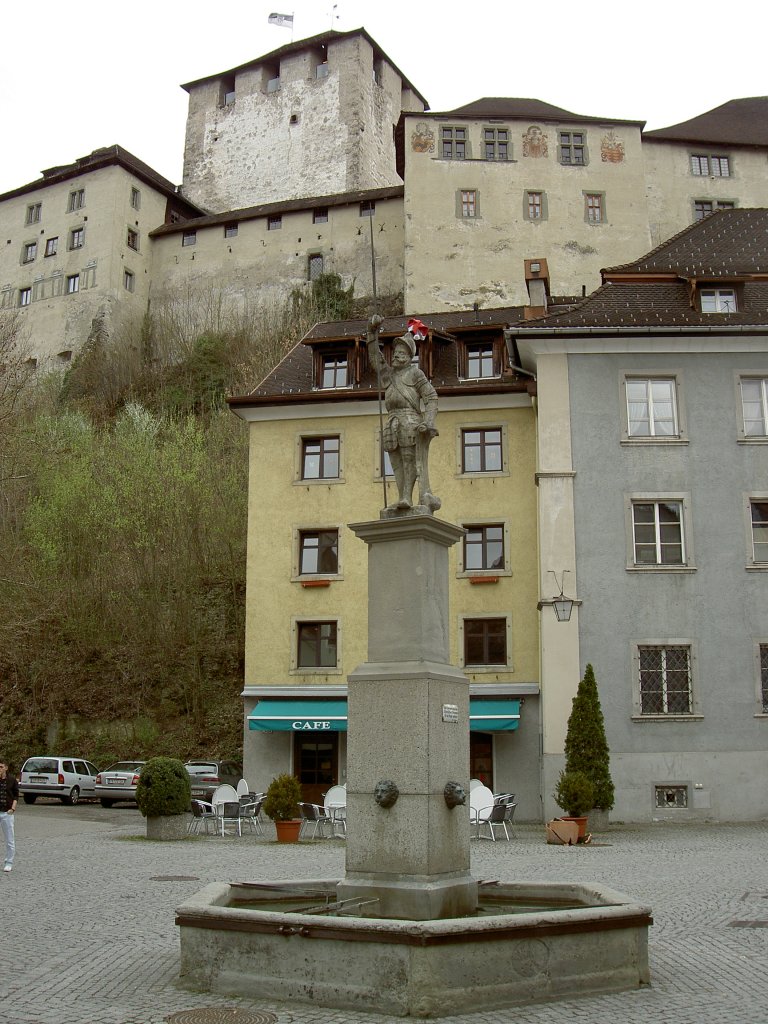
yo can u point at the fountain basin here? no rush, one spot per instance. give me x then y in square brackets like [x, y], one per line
[587, 940]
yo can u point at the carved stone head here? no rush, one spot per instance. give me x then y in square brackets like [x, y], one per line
[386, 793]
[454, 794]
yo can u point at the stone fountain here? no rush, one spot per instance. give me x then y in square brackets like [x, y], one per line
[405, 932]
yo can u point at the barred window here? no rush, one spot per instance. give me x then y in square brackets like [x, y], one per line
[665, 680]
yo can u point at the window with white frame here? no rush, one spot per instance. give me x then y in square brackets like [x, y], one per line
[665, 679]
[657, 533]
[25, 296]
[479, 360]
[468, 202]
[52, 246]
[759, 527]
[482, 450]
[718, 300]
[705, 165]
[651, 407]
[135, 198]
[535, 205]
[754, 406]
[129, 281]
[77, 238]
[29, 252]
[594, 207]
[334, 369]
[34, 213]
[73, 284]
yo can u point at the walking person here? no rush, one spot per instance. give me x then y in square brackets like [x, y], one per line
[9, 798]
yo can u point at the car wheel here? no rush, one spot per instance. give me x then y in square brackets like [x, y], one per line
[29, 798]
[73, 798]
[106, 803]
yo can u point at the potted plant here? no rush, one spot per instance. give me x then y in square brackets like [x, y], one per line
[163, 797]
[586, 748]
[282, 806]
[575, 794]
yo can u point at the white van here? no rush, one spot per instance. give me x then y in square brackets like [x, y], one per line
[69, 778]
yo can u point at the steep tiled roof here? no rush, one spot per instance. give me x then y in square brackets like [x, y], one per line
[741, 122]
[302, 44]
[727, 242]
[516, 106]
[655, 290]
[292, 378]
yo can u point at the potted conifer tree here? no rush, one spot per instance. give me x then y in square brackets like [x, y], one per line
[586, 749]
[575, 794]
[282, 806]
[163, 797]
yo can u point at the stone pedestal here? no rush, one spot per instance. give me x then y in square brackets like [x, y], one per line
[408, 724]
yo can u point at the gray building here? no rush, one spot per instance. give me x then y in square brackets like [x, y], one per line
[653, 498]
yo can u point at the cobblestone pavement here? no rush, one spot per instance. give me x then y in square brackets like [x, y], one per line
[89, 936]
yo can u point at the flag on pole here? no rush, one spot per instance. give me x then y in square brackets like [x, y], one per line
[285, 20]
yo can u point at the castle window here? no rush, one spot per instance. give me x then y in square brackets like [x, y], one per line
[73, 284]
[275, 222]
[34, 213]
[25, 296]
[704, 166]
[320, 215]
[77, 238]
[29, 253]
[135, 198]
[132, 239]
[718, 300]
[573, 148]
[314, 266]
[368, 208]
[129, 281]
[496, 143]
[453, 143]
[189, 238]
[230, 230]
[76, 200]
[52, 246]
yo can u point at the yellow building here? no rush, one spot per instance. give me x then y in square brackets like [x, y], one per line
[315, 468]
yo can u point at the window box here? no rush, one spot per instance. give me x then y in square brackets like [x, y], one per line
[315, 583]
[483, 579]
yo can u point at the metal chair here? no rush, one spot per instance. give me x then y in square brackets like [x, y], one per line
[490, 816]
[202, 814]
[228, 812]
[313, 814]
[249, 814]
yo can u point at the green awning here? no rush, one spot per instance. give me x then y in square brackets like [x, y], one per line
[299, 716]
[331, 715]
[494, 715]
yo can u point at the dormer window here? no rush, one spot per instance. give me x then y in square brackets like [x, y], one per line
[718, 300]
[333, 369]
[479, 360]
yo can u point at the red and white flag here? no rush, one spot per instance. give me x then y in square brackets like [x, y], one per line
[284, 20]
[418, 329]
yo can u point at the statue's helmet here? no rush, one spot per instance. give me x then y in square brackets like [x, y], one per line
[407, 340]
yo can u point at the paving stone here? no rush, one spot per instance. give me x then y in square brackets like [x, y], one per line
[88, 915]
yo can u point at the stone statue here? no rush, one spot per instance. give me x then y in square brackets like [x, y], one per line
[411, 403]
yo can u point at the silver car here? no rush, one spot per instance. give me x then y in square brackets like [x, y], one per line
[68, 778]
[118, 782]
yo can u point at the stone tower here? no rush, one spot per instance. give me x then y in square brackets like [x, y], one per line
[313, 118]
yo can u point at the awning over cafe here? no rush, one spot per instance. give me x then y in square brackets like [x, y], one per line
[331, 715]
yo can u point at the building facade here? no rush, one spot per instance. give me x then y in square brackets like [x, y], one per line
[653, 477]
[315, 468]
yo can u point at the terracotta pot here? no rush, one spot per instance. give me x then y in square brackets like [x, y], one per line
[288, 831]
[581, 822]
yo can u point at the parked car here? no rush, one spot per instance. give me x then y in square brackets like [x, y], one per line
[69, 778]
[118, 782]
[206, 776]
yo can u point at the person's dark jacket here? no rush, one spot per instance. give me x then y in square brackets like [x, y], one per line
[11, 792]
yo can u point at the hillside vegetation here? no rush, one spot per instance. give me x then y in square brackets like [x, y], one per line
[123, 505]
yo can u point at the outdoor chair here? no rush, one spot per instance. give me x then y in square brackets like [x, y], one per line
[312, 814]
[228, 813]
[202, 814]
[489, 817]
[249, 814]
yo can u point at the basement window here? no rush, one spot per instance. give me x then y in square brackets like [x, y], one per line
[671, 797]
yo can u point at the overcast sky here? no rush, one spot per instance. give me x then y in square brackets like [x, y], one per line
[74, 77]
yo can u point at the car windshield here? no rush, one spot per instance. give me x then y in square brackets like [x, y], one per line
[41, 764]
[125, 766]
[203, 768]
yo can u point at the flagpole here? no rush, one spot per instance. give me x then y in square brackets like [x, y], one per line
[378, 368]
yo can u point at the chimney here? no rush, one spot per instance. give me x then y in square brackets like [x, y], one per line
[537, 283]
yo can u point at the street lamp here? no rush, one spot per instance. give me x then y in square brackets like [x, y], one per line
[563, 605]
